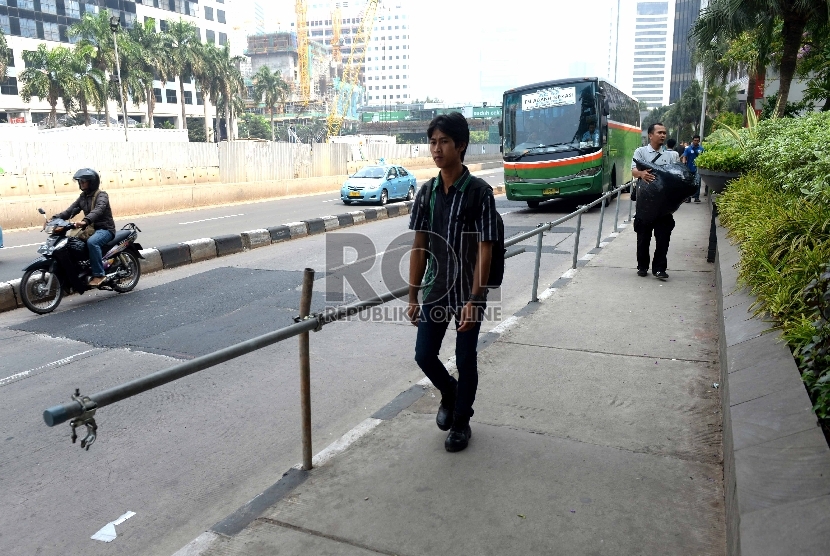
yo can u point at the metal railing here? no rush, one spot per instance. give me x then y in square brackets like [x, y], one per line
[80, 412]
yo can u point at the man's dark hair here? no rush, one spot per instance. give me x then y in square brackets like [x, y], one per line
[695, 137]
[652, 126]
[671, 143]
[453, 124]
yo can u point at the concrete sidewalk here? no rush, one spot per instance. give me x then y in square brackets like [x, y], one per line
[597, 431]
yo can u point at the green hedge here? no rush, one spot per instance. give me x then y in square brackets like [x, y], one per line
[779, 213]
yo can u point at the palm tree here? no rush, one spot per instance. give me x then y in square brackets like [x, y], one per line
[204, 74]
[147, 54]
[229, 81]
[268, 87]
[48, 76]
[94, 30]
[89, 80]
[730, 18]
[181, 42]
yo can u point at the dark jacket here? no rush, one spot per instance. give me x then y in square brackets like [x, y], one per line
[100, 216]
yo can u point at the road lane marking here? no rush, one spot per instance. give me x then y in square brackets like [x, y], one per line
[64, 361]
[27, 245]
[209, 219]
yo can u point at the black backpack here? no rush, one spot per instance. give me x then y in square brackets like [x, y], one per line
[496, 276]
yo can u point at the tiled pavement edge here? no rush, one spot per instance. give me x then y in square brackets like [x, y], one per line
[776, 459]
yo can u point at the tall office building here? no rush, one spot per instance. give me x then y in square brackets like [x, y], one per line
[643, 58]
[29, 23]
[682, 71]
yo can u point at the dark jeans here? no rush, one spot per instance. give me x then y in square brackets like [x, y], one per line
[94, 244]
[697, 186]
[661, 228]
[432, 327]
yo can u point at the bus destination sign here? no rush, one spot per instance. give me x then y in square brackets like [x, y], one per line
[545, 98]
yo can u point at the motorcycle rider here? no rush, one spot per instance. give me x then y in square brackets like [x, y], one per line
[98, 216]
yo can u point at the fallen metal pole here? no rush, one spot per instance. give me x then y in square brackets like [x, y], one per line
[305, 368]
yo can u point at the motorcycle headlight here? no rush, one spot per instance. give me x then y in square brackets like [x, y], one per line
[50, 229]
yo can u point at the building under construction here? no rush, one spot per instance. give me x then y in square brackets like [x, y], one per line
[279, 52]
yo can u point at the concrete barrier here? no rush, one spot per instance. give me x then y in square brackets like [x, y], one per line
[174, 255]
[201, 249]
[316, 226]
[8, 299]
[331, 223]
[151, 262]
[279, 233]
[229, 244]
[255, 238]
[344, 220]
[297, 229]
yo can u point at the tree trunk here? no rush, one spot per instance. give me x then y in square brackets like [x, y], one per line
[273, 136]
[228, 128]
[792, 34]
[151, 105]
[85, 109]
[181, 100]
[207, 122]
[826, 107]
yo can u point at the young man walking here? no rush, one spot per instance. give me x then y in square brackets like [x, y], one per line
[690, 154]
[663, 225]
[454, 219]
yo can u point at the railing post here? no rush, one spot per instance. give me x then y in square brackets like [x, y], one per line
[617, 212]
[631, 199]
[601, 217]
[576, 239]
[305, 368]
[534, 298]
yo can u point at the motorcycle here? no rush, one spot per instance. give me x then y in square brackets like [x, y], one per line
[64, 267]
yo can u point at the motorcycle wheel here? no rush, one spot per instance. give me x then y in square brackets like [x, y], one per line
[34, 294]
[128, 273]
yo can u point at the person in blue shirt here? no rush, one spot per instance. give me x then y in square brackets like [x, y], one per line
[689, 156]
[592, 135]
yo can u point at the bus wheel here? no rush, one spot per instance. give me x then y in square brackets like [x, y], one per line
[533, 204]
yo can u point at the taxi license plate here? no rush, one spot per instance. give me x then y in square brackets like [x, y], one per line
[354, 194]
[550, 191]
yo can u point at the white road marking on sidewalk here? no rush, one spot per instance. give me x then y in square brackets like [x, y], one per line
[209, 219]
[27, 245]
[508, 212]
[587, 257]
[107, 532]
[604, 244]
[340, 445]
[199, 545]
[546, 294]
[65, 360]
[570, 274]
[506, 324]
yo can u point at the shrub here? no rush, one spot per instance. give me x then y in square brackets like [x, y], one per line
[814, 355]
[721, 159]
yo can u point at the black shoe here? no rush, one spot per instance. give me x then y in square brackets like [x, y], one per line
[688, 200]
[661, 275]
[697, 200]
[444, 418]
[460, 434]
[642, 273]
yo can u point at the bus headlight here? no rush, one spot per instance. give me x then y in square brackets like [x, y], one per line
[587, 172]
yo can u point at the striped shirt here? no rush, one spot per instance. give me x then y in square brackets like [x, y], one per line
[458, 220]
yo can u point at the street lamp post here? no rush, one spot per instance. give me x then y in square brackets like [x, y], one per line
[115, 24]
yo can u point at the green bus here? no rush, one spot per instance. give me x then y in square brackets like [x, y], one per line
[567, 138]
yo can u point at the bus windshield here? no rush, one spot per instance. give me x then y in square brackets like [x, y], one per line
[552, 118]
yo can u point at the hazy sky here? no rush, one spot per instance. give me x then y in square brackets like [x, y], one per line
[471, 51]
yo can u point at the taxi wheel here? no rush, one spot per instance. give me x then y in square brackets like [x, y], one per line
[411, 194]
[384, 197]
[345, 202]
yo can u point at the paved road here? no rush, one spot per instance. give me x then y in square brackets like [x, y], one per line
[163, 229]
[186, 455]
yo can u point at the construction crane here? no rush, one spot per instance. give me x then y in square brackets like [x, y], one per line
[336, 20]
[351, 71]
[302, 51]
